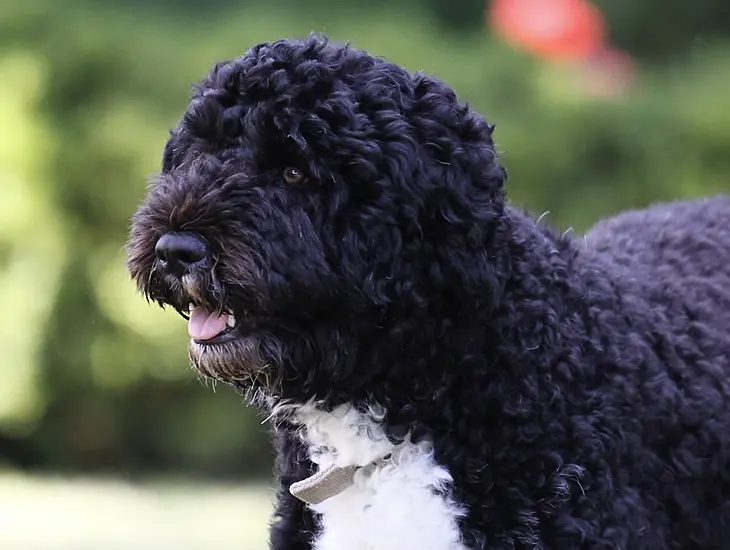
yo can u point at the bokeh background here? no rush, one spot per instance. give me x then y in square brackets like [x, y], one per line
[107, 438]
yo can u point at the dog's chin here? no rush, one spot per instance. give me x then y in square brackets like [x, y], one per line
[234, 359]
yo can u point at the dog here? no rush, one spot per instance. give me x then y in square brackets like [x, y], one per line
[441, 370]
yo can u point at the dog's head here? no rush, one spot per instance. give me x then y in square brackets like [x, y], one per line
[313, 201]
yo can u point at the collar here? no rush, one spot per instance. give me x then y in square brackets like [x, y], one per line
[333, 480]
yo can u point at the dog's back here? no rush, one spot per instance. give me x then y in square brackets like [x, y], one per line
[679, 253]
[676, 258]
[681, 240]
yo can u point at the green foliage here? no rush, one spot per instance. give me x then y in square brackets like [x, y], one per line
[662, 30]
[95, 378]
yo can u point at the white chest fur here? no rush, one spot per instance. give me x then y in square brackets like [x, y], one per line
[400, 504]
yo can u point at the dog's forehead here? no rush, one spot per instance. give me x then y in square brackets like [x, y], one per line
[288, 67]
[311, 100]
[291, 77]
[284, 90]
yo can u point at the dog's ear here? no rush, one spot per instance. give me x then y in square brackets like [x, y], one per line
[462, 218]
[426, 196]
[464, 229]
[438, 234]
[462, 179]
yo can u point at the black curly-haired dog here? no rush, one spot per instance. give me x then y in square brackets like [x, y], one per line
[443, 372]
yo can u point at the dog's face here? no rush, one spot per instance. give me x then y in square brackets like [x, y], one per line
[311, 200]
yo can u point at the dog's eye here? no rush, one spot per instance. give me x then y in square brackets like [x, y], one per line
[293, 176]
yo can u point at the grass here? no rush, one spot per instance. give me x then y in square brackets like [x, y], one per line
[49, 513]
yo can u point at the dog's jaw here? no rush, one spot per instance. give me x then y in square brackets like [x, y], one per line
[238, 361]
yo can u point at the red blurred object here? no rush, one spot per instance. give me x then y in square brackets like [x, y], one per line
[571, 30]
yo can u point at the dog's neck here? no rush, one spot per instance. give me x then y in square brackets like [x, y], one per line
[401, 367]
[342, 443]
[372, 492]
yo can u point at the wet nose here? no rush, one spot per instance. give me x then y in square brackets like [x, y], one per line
[179, 252]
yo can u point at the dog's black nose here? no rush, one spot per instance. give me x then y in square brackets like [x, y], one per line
[179, 252]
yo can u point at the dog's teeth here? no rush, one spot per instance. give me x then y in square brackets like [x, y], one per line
[191, 307]
[231, 322]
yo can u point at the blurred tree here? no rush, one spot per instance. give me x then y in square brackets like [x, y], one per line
[460, 15]
[664, 29]
[650, 29]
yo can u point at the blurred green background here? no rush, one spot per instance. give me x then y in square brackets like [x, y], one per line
[95, 382]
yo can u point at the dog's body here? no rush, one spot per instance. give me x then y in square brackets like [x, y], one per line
[656, 429]
[340, 228]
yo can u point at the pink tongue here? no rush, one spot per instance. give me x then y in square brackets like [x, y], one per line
[204, 325]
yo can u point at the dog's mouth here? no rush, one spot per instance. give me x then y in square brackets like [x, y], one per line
[229, 347]
[208, 327]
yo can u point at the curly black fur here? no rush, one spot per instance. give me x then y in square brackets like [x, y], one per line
[576, 389]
